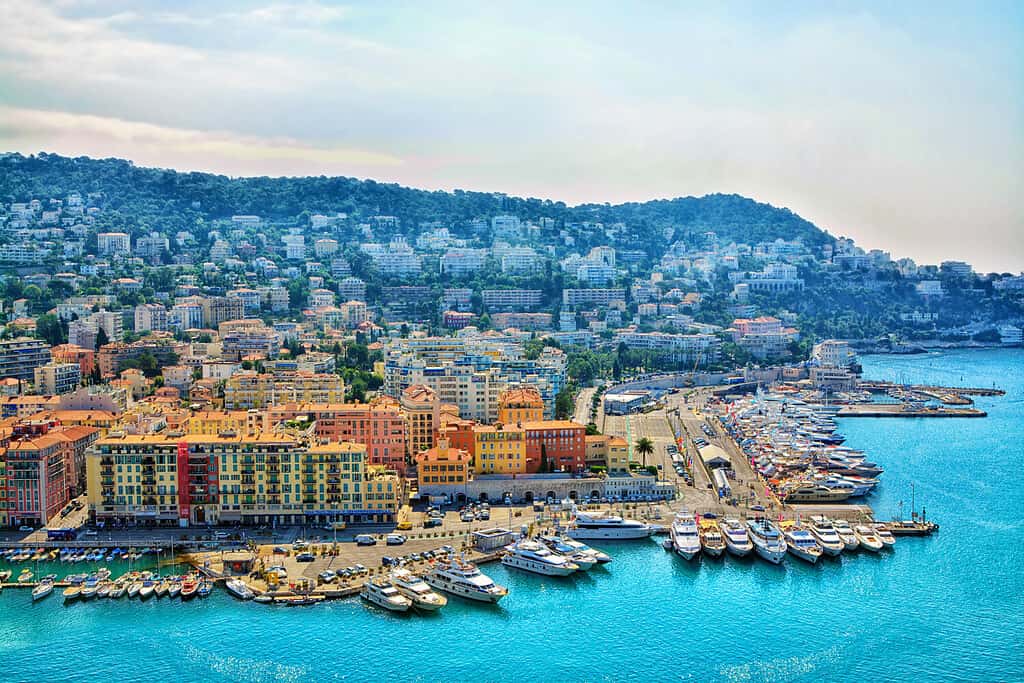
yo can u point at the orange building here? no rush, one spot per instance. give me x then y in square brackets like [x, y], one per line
[555, 445]
[72, 353]
[522, 404]
[443, 465]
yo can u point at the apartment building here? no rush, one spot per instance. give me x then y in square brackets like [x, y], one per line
[113, 244]
[252, 390]
[422, 410]
[597, 297]
[151, 318]
[511, 299]
[57, 378]
[20, 357]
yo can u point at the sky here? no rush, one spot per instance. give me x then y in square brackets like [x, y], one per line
[900, 125]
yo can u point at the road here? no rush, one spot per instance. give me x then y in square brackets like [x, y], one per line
[583, 403]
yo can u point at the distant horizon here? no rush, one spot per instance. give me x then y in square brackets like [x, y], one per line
[866, 247]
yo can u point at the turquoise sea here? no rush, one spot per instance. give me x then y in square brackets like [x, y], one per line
[946, 608]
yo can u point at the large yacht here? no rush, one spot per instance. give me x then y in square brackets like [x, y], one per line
[809, 492]
[737, 540]
[414, 588]
[846, 533]
[384, 594]
[802, 543]
[578, 546]
[826, 535]
[685, 535]
[465, 580]
[535, 557]
[767, 539]
[589, 526]
[583, 559]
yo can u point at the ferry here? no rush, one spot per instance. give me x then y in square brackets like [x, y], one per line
[846, 534]
[802, 543]
[826, 535]
[238, 588]
[767, 539]
[534, 557]
[414, 588]
[464, 580]
[384, 594]
[737, 540]
[868, 538]
[685, 535]
[588, 526]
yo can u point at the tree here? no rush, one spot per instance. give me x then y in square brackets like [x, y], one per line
[50, 328]
[101, 338]
[644, 446]
[563, 404]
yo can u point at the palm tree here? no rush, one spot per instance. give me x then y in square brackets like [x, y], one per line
[644, 447]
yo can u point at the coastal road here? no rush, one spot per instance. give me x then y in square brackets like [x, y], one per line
[583, 403]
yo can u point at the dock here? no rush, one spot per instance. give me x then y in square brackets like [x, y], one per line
[904, 410]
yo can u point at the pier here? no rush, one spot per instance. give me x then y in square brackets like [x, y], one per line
[905, 410]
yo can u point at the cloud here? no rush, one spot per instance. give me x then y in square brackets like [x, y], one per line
[29, 131]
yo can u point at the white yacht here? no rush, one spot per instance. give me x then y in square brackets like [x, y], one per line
[578, 546]
[465, 580]
[885, 536]
[868, 538]
[737, 540]
[767, 539]
[582, 559]
[44, 588]
[590, 526]
[238, 588]
[802, 543]
[414, 588]
[535, 557]
[685, 535]
[846, 534]
[384, 594]
[826, 535]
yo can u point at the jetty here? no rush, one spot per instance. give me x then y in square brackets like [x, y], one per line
[905, 410]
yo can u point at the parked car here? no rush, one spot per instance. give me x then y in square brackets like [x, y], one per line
[387, 561]
[395, 539]
[305, 557]
[328, 576]
[28, 528]
[365, 539]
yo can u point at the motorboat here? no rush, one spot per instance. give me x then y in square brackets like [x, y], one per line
[104, 590]
[826, 535]
[535, 557]
[25, 576]
[737, 540]
[767, 539]
[161, 588]
[809, 492]
[118, 590]
[174, 589]
[465, 580]
[42, 590]
[685, 535]
[868, 538]
[566, 545]
[239, 589]
[846, 534]
[584, 561]
[711, 540]
[189, 588]
[133, 588]
[384, 594]
[588, 526]
[803, 544]
[205, 588]
[417, 590]
[885, 536]
[72, 592]
[147, 590]
[90, 587]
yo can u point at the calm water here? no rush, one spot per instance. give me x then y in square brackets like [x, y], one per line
[947, 608]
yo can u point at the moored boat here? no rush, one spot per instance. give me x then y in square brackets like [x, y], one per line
[685, 535]
[737, 540]
[711, 540]
[239, 589]
[189, 588]
[383, 593]
[42, 590]
[868, 538]
[535, 557]
[846, 534]
[767, 539]
[801, 542]
[417, 590]
[588, 526]
[826, 535]
[465, 580]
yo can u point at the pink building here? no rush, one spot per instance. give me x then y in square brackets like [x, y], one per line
[765, 324]
[37, 479]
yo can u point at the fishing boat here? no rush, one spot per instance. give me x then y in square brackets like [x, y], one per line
[90, 587]
[104, 590]
[767, 539]
[42, 590]
[737, 540]
[711, 540]
[133, 588]
[685, 535]
[464, 579]
[801, 542]
[383, 593]
[118, 590]
[147, 590]
[846, 534]
[826, 535]
[174, 587]
[161, 589]
[535, 557]
[414, 588]
[868, 538]
[239, 589]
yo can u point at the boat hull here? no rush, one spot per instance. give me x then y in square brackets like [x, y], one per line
[599, 534]
[537, 567]
[773, 556]
[461, 591]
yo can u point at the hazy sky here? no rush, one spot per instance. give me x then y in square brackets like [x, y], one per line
[898, 124]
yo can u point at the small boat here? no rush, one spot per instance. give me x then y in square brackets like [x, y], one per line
[118, 590]
[161, 589]
[72, 592]
[104, 590]
[174, 589]
[42, 590]
[414, 588]
[384, 594]
[868, 538]
[802, 543]
[90, 588]
[189, 587]
[846, 534]
[711, 540]
[102, 573]
[239, 589]
[133, 588]
[25, 576]
[148, 589]
[205, 588]
[264, 599]
[885, 536]
[5, 574]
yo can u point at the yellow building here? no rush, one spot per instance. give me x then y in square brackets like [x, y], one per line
[443, 465]
[213, 422]
[421, 408]
[610, 452]
[499, 449]
[248, 389]
[522, 404]
[251, 477]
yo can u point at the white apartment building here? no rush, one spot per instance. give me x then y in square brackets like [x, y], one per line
[511, 299]
[150, 318]
[352, 288]
[325, 247]
[294, 247]
[833, 353]
[678, 347]
[599, 297]
[57, 378]
[460, 262]
[113, 243]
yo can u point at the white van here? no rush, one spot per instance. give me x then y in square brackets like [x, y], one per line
[365, 539]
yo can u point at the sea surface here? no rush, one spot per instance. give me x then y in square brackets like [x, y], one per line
[945, 608]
